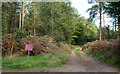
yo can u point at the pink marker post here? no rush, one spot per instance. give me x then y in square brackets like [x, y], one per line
[29, 48]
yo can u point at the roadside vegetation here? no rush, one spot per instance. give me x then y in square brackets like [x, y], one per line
[41, 61]
[106, 51]
[77, 52]
[107, 48]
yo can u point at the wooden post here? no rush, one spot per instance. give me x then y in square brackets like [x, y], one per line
[28, 55]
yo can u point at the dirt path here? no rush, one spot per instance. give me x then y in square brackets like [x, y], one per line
[86, 64]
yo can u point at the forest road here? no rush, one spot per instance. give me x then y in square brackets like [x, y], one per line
[85, 64]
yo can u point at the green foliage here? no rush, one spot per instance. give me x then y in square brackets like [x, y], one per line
[1, 63]
[10, 17]
[112, 9]
[93, 11]
[85, 31]
[108, 34]
[57, 23]
[57, 20]
[19, 34]
[77, 52]
[59, 58]
[113, 60]
[104, 51]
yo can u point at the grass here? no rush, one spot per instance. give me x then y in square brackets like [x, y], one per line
[113, 61]
[77, 52]
[0, 63]
[87, 51]
[59, 58]
[73, 47]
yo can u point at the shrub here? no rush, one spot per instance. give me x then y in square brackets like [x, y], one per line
[109, 50]
[103, 46]
[19, 34]
[12, 46]
[40, 45]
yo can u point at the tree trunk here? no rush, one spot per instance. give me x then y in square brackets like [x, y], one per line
[20, 17]
[100, 22]
[118, 31]
[115, 24]
[34, 27]
[118, 21]
[14, 22]
[34, 23]
[104, 25]
[34, 31]
[23, 16]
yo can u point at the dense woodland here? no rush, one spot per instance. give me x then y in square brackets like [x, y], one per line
[57, 20]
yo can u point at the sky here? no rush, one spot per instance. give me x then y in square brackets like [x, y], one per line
[82, 6]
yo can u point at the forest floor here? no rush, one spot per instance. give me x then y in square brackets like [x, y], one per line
[84, 64]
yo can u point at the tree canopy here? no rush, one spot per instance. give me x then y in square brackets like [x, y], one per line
[55, 19]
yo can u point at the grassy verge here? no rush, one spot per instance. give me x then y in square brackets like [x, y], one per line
[59, 58]
[113, 61]
[74, 47]
[77, 52]
[0, 63]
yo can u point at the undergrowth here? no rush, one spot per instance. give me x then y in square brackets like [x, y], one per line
[113, 60]
[107, 51]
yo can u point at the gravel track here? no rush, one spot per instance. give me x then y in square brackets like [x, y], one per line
[86, 64]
